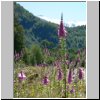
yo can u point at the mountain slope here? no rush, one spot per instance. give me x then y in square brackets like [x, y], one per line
[37, 30]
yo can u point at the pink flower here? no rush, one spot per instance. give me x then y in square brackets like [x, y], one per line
[72, 90]
[21, 76]
[70, 77]
[45, 80]
[61, 31]
[80, 74]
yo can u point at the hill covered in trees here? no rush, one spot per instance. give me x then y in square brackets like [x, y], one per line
[38, 31]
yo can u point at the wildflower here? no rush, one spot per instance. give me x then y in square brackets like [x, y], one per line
[61, 31]
[59, 74]
[69, 77]
[21, 76]
[72, 90]
[45, 81]
[80, 74]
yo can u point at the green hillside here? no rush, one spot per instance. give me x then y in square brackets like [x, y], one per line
[40, 31]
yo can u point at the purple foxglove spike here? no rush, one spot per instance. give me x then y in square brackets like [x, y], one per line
[21, 76]
[72, 90]
[70, 77]
[80, 74]
[61, 30]
[45, 80]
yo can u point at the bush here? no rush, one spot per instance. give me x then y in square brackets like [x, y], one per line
[36, 55]
[26, 56]
[50, 60]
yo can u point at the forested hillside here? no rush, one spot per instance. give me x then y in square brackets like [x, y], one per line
[39, 31]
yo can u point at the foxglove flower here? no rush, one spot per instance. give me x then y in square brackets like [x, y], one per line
[21, 76]
[72, 90]
[61, 31]
[45, 81]
[70, 77]
[80, 74]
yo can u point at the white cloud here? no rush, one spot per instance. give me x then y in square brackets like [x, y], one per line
[69, 23]
[50, 19]
[76, 23]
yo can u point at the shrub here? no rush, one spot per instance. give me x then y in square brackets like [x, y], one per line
[50, 60]
[36, 55]
[26, 56]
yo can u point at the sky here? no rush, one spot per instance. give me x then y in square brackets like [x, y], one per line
[73, 12]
